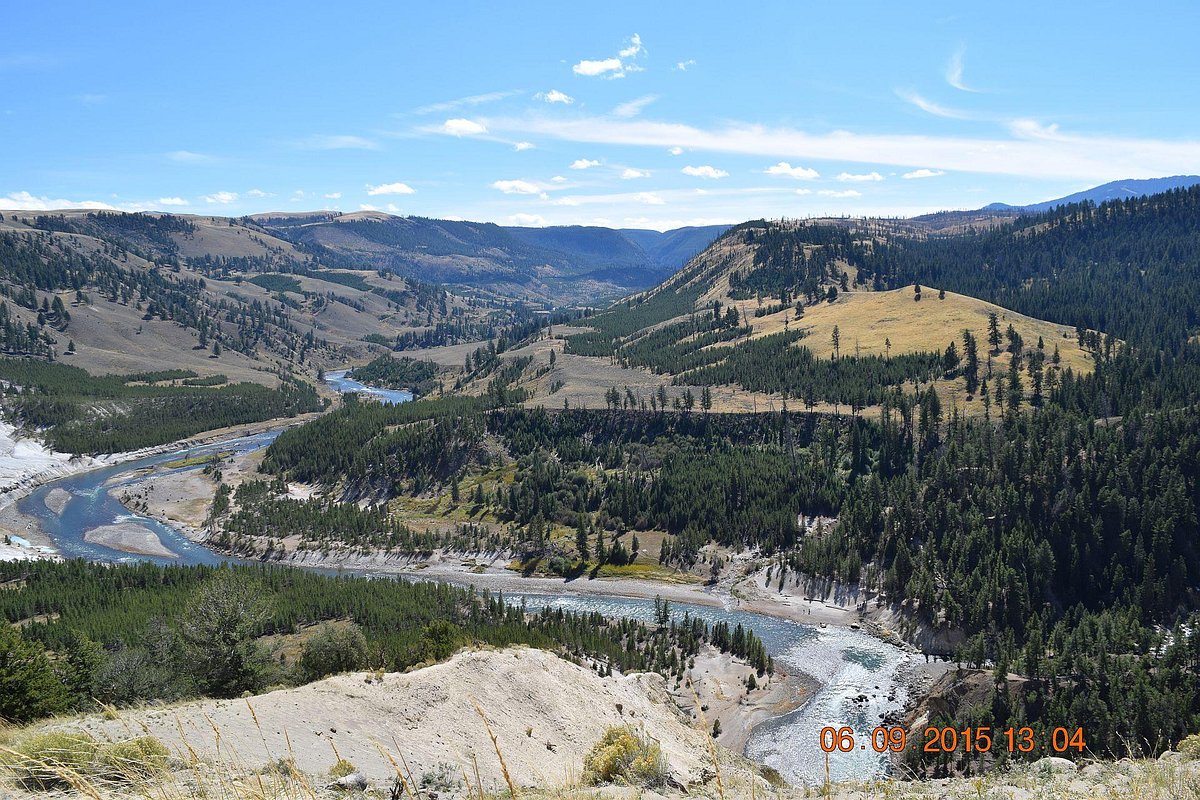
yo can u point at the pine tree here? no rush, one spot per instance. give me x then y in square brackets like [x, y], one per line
[994, 331]
[29, 687]
[581, 539]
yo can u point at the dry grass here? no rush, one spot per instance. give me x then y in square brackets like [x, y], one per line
[866, 320]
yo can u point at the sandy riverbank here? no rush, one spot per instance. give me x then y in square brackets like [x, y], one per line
[129, 537]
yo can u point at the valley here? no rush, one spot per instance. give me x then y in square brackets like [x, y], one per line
[774, 438]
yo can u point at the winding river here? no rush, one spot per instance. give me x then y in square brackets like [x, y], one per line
[861, 678]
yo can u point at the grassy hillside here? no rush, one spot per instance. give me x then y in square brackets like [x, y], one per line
[754, 315]
[135, 292]
[565, 264]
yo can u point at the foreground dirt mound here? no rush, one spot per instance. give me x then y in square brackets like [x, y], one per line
[545, 712]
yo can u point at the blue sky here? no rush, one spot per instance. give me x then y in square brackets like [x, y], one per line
[623, 114]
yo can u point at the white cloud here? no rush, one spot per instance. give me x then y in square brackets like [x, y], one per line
[930, 107]
[1032, 129]
[613, 67]
[471, 100]
[597, 67]
[367, 207]
[633, 107]
[333, 196]
[393, 208]
[804, 191]
[527, 220]
[633, 48]
[865, 177]
[630, 173]
[390, 188]
[517, 187]
[93, 99]
[24, 201]
[704, 171]
[221, 198]
[172, 201]
[258, 193]
[336, 142]
[584, 163]
[797, 172]
[676, 151]
[558, 179]
[954, 70]
[923, 173]
[1080, 157]
[463, 127]
[650, 199]
[682, 66]
[187, 156]
[522, 146]
[555, 96]
[843, 193]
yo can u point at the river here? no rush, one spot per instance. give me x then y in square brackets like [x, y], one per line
[849, 665]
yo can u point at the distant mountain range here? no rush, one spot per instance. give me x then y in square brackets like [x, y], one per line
[560, 264]
[1116, 190]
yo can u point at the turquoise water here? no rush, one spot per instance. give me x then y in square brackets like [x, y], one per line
[339, 382]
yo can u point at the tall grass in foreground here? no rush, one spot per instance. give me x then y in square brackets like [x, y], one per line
[37, 761]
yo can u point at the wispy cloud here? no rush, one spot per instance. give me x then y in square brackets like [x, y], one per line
[257, 193]
[465, 102]
[630, 173]
[24, 201]
[221, 198]
[845, 193]
[463, 127]
[517, 187]
[521, 147]
[675, 151]
[188, 157]
[389, 188]
[321, 141]
[922, 173]
[864, 177]
[613, 67]
[333, 196]
[527, 220]
[797, 172]
[584, 163]
[555, 96]
[92, 99]
[682, 66]
[954, 70]
[930, 107]
[1079, 156]
[633, 107]
[172, 201]
[704, 171]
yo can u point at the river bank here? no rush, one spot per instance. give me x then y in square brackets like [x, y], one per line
[26, 465]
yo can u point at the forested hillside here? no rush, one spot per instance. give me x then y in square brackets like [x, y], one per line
[563, 264]
[1053, 529]
[147, 291]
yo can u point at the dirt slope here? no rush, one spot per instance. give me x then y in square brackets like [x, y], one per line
[546, 713]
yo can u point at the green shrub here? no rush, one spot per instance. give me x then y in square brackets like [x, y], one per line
[336, 648]
[627, 757]
[132, 760]
[1190, 747]
[44, 761]
[342, 768]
